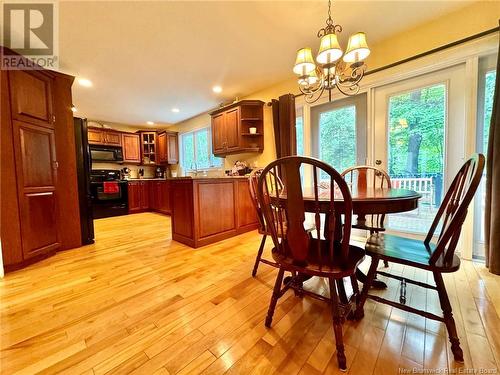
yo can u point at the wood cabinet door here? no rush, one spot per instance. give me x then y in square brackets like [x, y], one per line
[134, 198]
[95, 136]
[166, 198]
[154, 195]
[161, 142]
[112, 138]
[216, 211]
[246, 210]
[231, 128]
[172, 148]
[131, 148]
[35, 155]
[144, 195]
[31, 99]
[218, 136]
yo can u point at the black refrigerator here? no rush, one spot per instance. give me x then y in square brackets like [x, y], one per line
[83, 167]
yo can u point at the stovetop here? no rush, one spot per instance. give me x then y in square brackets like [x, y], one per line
[100, 175]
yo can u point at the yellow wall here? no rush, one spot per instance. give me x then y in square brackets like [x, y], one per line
[462, 23]
[467, 21]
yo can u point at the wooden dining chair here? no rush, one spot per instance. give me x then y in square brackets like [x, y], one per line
[252, 184]
[438, 257]
[324, 251]
[361, 177]
[253, 181]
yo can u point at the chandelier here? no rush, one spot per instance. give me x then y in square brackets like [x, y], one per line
[334, 67]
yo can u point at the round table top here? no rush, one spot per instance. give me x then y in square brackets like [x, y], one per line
[367, 200]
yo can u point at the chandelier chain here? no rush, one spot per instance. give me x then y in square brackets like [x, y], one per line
[329, 21]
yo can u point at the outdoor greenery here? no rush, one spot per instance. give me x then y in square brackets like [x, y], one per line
[416, 131]
[337, 138]
[299, 134]
[489, 90]
[197, 151]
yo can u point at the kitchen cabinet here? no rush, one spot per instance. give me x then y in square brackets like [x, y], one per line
[32, 97]
[231, 128]
[162, 148]
[149, 195]
[39, 208]
[172, 148]
[148, 147]
[131, 148]
[138, 196]
[98, 136]
[95, 136]
[208, 210]
[160, 196]
[134, 199]
[168, 147]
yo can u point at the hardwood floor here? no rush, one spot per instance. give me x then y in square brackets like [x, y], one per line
[137, 302]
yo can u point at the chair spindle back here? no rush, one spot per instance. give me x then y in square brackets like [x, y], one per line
[362, 177]
[285, 210]
[453, 209]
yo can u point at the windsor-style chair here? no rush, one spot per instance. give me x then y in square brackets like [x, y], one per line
[437, 258]
[325, 251]
[253, 181]
[363, 176]
[252, 184]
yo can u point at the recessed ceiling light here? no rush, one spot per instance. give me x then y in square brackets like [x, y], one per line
[150, 123]
[85, 82]
[176, 110]
[73, 108]
[217, 89]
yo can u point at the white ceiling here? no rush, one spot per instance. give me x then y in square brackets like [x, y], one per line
[144, 58]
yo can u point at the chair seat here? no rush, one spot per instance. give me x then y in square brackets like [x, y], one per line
[312, 265]
[408, 251]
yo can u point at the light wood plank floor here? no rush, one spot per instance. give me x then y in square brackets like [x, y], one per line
[137, 302]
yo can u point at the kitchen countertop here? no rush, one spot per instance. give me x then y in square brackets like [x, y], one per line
[187, 178]
[208, 177]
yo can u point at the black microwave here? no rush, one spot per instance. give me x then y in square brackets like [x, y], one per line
[106, 153]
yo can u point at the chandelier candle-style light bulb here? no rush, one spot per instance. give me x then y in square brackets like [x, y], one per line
[334, 68]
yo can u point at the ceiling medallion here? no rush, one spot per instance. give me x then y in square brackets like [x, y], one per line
[333, 67]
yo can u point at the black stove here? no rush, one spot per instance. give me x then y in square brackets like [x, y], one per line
[106, 204]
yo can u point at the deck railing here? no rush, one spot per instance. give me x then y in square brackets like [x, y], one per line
[422, 185]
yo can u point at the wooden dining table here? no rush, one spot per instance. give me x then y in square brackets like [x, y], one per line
[365, 201]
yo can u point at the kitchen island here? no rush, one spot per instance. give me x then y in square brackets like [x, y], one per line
[210, 209]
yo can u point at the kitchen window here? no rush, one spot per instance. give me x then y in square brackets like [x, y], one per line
[196, 151]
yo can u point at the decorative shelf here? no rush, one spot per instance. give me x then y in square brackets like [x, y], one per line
[251, 119]
[251, 134]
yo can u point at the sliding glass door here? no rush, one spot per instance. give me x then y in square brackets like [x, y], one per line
[419, 139]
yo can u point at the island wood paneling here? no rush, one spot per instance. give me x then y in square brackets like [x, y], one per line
[208, 210]
[218, 198]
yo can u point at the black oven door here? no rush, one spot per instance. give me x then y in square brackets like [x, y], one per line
[109, 204]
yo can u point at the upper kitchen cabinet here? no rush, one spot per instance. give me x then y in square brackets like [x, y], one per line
[131, 145]
[149, 152]
[101, 136]
[32, 97]
[238, 128]
[168, 147]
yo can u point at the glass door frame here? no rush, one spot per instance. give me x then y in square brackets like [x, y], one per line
[455, 115]
[485, 65]
[360, 101]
